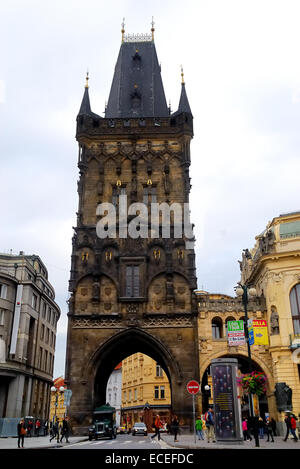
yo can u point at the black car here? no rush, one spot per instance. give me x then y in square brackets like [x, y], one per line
[139, 428]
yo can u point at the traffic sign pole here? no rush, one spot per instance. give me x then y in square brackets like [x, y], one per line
[193, 388]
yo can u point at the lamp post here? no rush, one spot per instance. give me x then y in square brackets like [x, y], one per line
[245, 292]
[56, 392]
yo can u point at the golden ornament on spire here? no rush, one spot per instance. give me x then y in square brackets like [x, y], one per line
[182, 75]
[87, 79]
[152, 29]
[123, 29]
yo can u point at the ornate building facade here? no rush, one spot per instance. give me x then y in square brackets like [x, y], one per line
[131, 292]
[272, 267]
[28, 321]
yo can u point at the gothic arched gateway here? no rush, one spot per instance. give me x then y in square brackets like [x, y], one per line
[132, 275]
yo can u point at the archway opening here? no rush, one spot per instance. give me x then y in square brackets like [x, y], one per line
[139, 389]
[243, 366]
[145, 380]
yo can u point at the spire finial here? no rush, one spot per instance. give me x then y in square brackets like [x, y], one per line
[87, 79]
[182, 75]
[152, 29]
[123, 29]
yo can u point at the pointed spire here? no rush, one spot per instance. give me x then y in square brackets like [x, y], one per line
[85, 108]
[123, 29]
[184, 105]
[152, 29]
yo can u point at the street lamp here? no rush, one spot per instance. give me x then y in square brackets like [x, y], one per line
[245, 292]
[57, 392]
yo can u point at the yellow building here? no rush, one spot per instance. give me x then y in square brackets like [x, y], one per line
[272, 268]
[57, 406]
[144, 384]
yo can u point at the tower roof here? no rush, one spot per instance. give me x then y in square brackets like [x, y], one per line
[85, 108]
[184, 105]
[137, 88]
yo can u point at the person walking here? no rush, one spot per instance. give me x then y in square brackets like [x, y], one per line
[21, 433]
[55, 433]
[29, 428]
[261, 427]
[269, 430]
[65, 431]
[37, 427]
[254, 425]
[245, 429]
[175, 427]
[293, 427]
[199, 428]
[209, 420]
[273, 424]
[157, 426]
[287, 420]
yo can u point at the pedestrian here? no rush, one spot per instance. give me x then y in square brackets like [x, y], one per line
[21, 433]
[65, 431]
[287, 420]
[273, 424]
[269, 430]
[46, 428]
[175, 427]
[254, 425]
[246, 433]
[37, 427]
[199, 428]
[157, 426]
[55, 433]
[293, 427]
[209, 420]
[261, 427]
[29, 428]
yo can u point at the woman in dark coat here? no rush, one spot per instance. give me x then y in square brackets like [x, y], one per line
[21, 433]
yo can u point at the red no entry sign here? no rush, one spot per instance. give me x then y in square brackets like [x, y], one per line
[193, 387]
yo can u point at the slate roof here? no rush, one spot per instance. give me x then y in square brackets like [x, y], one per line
[85, 108]
[184, 105]
[137, 88]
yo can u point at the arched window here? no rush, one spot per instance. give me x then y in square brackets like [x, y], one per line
[226, 321]
[217, 328]
[295, 308]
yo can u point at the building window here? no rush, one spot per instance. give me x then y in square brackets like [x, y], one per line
[129, 395]
[159, 392]
[135, 394]
[3, 291]
[34, 301]
[2, 317]
[217, 328]
[132, 281]
[159, 370]
[295, 308]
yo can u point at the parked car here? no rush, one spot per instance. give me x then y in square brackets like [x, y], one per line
[139, 428]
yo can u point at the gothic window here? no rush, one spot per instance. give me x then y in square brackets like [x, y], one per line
[295, 308]
[217, 328]
[132, 281]
[149, 195]
[116, 192]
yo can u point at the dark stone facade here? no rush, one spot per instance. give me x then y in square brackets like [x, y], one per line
[130, 295]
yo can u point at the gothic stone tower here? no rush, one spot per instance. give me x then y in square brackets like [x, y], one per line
[131, 294]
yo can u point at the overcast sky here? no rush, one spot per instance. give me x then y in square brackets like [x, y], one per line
[242, 73]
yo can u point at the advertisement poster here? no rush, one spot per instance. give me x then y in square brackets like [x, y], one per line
[258, 332]
[235, 333]
[223, 402]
